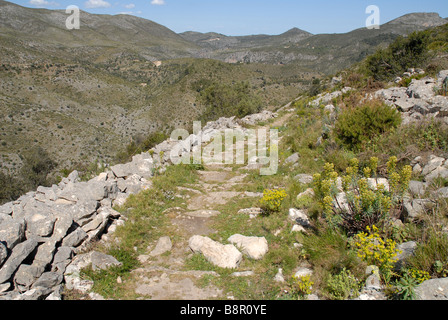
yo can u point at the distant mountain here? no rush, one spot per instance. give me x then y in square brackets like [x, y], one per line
[213, 40]
[326, 52]
[322, 52]
[48, 27]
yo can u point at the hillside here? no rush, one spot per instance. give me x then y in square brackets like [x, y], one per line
[354, 208]
[85, 95]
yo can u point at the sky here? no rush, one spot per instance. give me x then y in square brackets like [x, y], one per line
[247, 17]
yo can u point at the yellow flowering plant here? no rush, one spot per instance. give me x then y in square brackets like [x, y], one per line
[272, 200]
[374, 250]
[301, 286]
[366, 205]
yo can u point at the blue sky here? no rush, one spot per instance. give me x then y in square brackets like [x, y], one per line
[245, 17]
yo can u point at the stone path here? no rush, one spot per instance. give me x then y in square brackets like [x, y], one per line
[165, 278]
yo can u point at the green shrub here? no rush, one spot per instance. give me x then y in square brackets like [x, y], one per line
[357, 126]
[403, 53]
[227, 100]
[342, 286]
[405, 287]
[36, 168]
[10, 188]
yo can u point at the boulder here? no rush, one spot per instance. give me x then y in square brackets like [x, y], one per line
[414, 208]
[253, 247]
[434, 289]
[304, 178]
[300, 217]
[407, 250]
[102, 261]
[163, 245]
[61, 259]
[442, 192]
[48, 280]
[439, 172]
[3, 253]
[293, 159]
[252, 212]
[442, 75]
[421, 89]
[224, 256]
[302, 272]
[26, 275]
[40, 225]
[19, 253]
[374, 182]
[432, 164]
[417, 188]
[75, 238]
[12, 232]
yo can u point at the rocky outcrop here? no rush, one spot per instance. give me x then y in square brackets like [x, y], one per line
[43, 230]
[420, 100]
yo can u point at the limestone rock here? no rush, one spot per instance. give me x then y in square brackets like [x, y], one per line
[19, 253]
[304, 178]
[103, 261]
[293, 159]
[12, 232]
[253, 247]
[434, 289]
[163, 245]
[224, 256]
[407, 250]
[300, 217]
[302, 272]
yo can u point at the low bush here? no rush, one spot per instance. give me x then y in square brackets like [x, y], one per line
[358, 125]
[403, 53]
[342, 286]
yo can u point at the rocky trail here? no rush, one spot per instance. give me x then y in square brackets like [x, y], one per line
[48, 236]
[157, 282]
[165, 277]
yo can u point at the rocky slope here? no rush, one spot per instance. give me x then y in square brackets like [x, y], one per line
[44, 234]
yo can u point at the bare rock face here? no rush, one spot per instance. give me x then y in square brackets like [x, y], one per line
[224, 256]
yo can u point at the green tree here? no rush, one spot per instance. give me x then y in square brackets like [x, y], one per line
[36, 168]
[227, 100]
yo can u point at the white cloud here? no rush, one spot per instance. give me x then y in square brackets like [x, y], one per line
[97, 4]
[129, 6]
[43, 3]
[158, 2]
